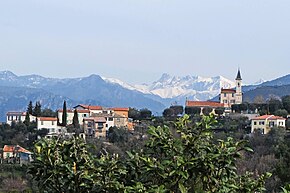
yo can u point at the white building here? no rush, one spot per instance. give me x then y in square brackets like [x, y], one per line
[50, 123]
[18, 116]
[265, 123]
[232, 96]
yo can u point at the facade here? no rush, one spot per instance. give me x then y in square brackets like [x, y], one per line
[17, 116]
[95, 127]
[232, 96]
[204, 104]
[265, 123]
[16, 153]
[50, 123]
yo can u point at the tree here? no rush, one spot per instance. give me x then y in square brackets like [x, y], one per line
[168, 112]
[192, 110]
[64, 114]
[274, 105]
[219, 111]
[206, 110]
[281, 113]
[27, 119]
[189, 162]
[48, 113]
[76, 123]
[134, 113]
[145, 113]
[286, 102]
[37, 109]
[259, 99]
[30, 108]
[177, 109]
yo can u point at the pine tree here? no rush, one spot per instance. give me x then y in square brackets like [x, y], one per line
[27, 119]
[64, 114]
[37, 109]
[30, 108]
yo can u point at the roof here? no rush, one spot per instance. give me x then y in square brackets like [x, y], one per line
[239, 77]
[96, 119]
[203, 104]
[268, 117]
[225, 90]
[68, 110]
[120, 109]
[83, 110]
[89, 107]
[15, 148]
[47, 118]
[15, 113]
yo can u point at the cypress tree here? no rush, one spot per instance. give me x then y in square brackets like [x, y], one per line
[64, 114]
[76, 123]
[27, 119]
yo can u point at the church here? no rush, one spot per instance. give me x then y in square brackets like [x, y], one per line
[227, 97]
[232, 96]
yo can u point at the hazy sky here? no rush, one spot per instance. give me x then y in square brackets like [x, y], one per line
[138, 40]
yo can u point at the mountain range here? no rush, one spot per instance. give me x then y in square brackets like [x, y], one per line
[17, 91]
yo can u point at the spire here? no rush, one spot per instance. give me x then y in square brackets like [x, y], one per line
[239, 75]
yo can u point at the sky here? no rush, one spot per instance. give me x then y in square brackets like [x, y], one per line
[138, 40]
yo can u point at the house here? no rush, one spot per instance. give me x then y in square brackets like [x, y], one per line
[232, 96]
[17, 116]
[50, 123]
[95, 127]
[82, 113]
[204, 104]
[265, 123]
[16, 154]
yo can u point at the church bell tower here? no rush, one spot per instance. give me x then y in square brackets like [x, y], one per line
[239, 94]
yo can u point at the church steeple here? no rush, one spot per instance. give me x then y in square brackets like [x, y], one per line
[239, 77]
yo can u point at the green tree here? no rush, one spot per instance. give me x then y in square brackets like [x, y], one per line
[281, 113]
[177, 109]
[76, 123]
[168, 112]
[274, 105]
[30, 108]
[219, 111]
[37, 109]
[27, 119]
[145, 113]
[134, 113]
[286, 102]
[64, 114]
[206, 110]
[192, 110]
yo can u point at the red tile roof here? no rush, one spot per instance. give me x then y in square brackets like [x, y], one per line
[268, 117]
[47, 118]
[223, 90]
[83, 110]
[16, 113]
[89, 107]
[68, 110]
[17, 148]
[120, 109]
[203, 104]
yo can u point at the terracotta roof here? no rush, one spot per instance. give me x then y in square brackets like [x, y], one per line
[268, 117]
[120, 109]
[68, 110]
[224, 90]
[89, 107]
[47, 118]
[96, 119]
[17, 148]
[83, 111]
[203, 104]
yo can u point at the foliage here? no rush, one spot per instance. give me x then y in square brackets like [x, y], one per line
[192, 110]
[134, 113]
[76, 123]
[281, 113]
[37, 109]
[48, 113]
[286, 102]
[186, 159]
[219, 110]
[145, 114]
[168, 112]
[207, 110]
[64, 114]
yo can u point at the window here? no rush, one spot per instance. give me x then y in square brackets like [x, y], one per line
[225, 94]
[41, 122]
[255, 123]
[59, 130]
[84, 115]
[90, 124]
[233, 94]
[271, 124]
[225, 101]
[52, 122]
[107, 125]
[261, 123]
[110, 118]
[105, 112]
[52, 130]
[233, 101]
